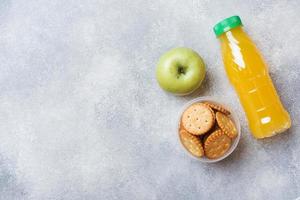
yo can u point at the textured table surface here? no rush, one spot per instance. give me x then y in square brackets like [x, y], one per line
[82, 117]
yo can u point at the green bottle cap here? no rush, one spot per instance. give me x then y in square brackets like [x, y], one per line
[227, 24]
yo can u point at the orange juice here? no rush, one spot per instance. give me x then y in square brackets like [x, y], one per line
[249, 76]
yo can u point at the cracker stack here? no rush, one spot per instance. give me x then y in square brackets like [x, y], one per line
[207, 130]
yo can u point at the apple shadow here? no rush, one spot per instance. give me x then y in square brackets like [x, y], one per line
[203, 89]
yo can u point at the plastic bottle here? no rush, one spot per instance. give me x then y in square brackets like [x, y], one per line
[249, 76]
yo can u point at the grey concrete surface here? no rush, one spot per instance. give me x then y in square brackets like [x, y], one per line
[82, 117]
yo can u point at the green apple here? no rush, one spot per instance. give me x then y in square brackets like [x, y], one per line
[180, 71]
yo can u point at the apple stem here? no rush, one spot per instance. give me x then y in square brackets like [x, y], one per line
[181, 70]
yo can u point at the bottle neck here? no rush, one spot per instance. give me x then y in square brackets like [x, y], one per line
[231, 34]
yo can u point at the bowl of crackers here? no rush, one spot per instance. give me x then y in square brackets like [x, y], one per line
[208, 129]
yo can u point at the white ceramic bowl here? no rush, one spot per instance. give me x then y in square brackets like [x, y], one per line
[233, 117]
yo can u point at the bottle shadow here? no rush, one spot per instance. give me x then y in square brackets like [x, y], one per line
[278, 140]
[272, 145]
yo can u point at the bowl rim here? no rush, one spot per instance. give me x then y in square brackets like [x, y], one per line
[232, 116]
